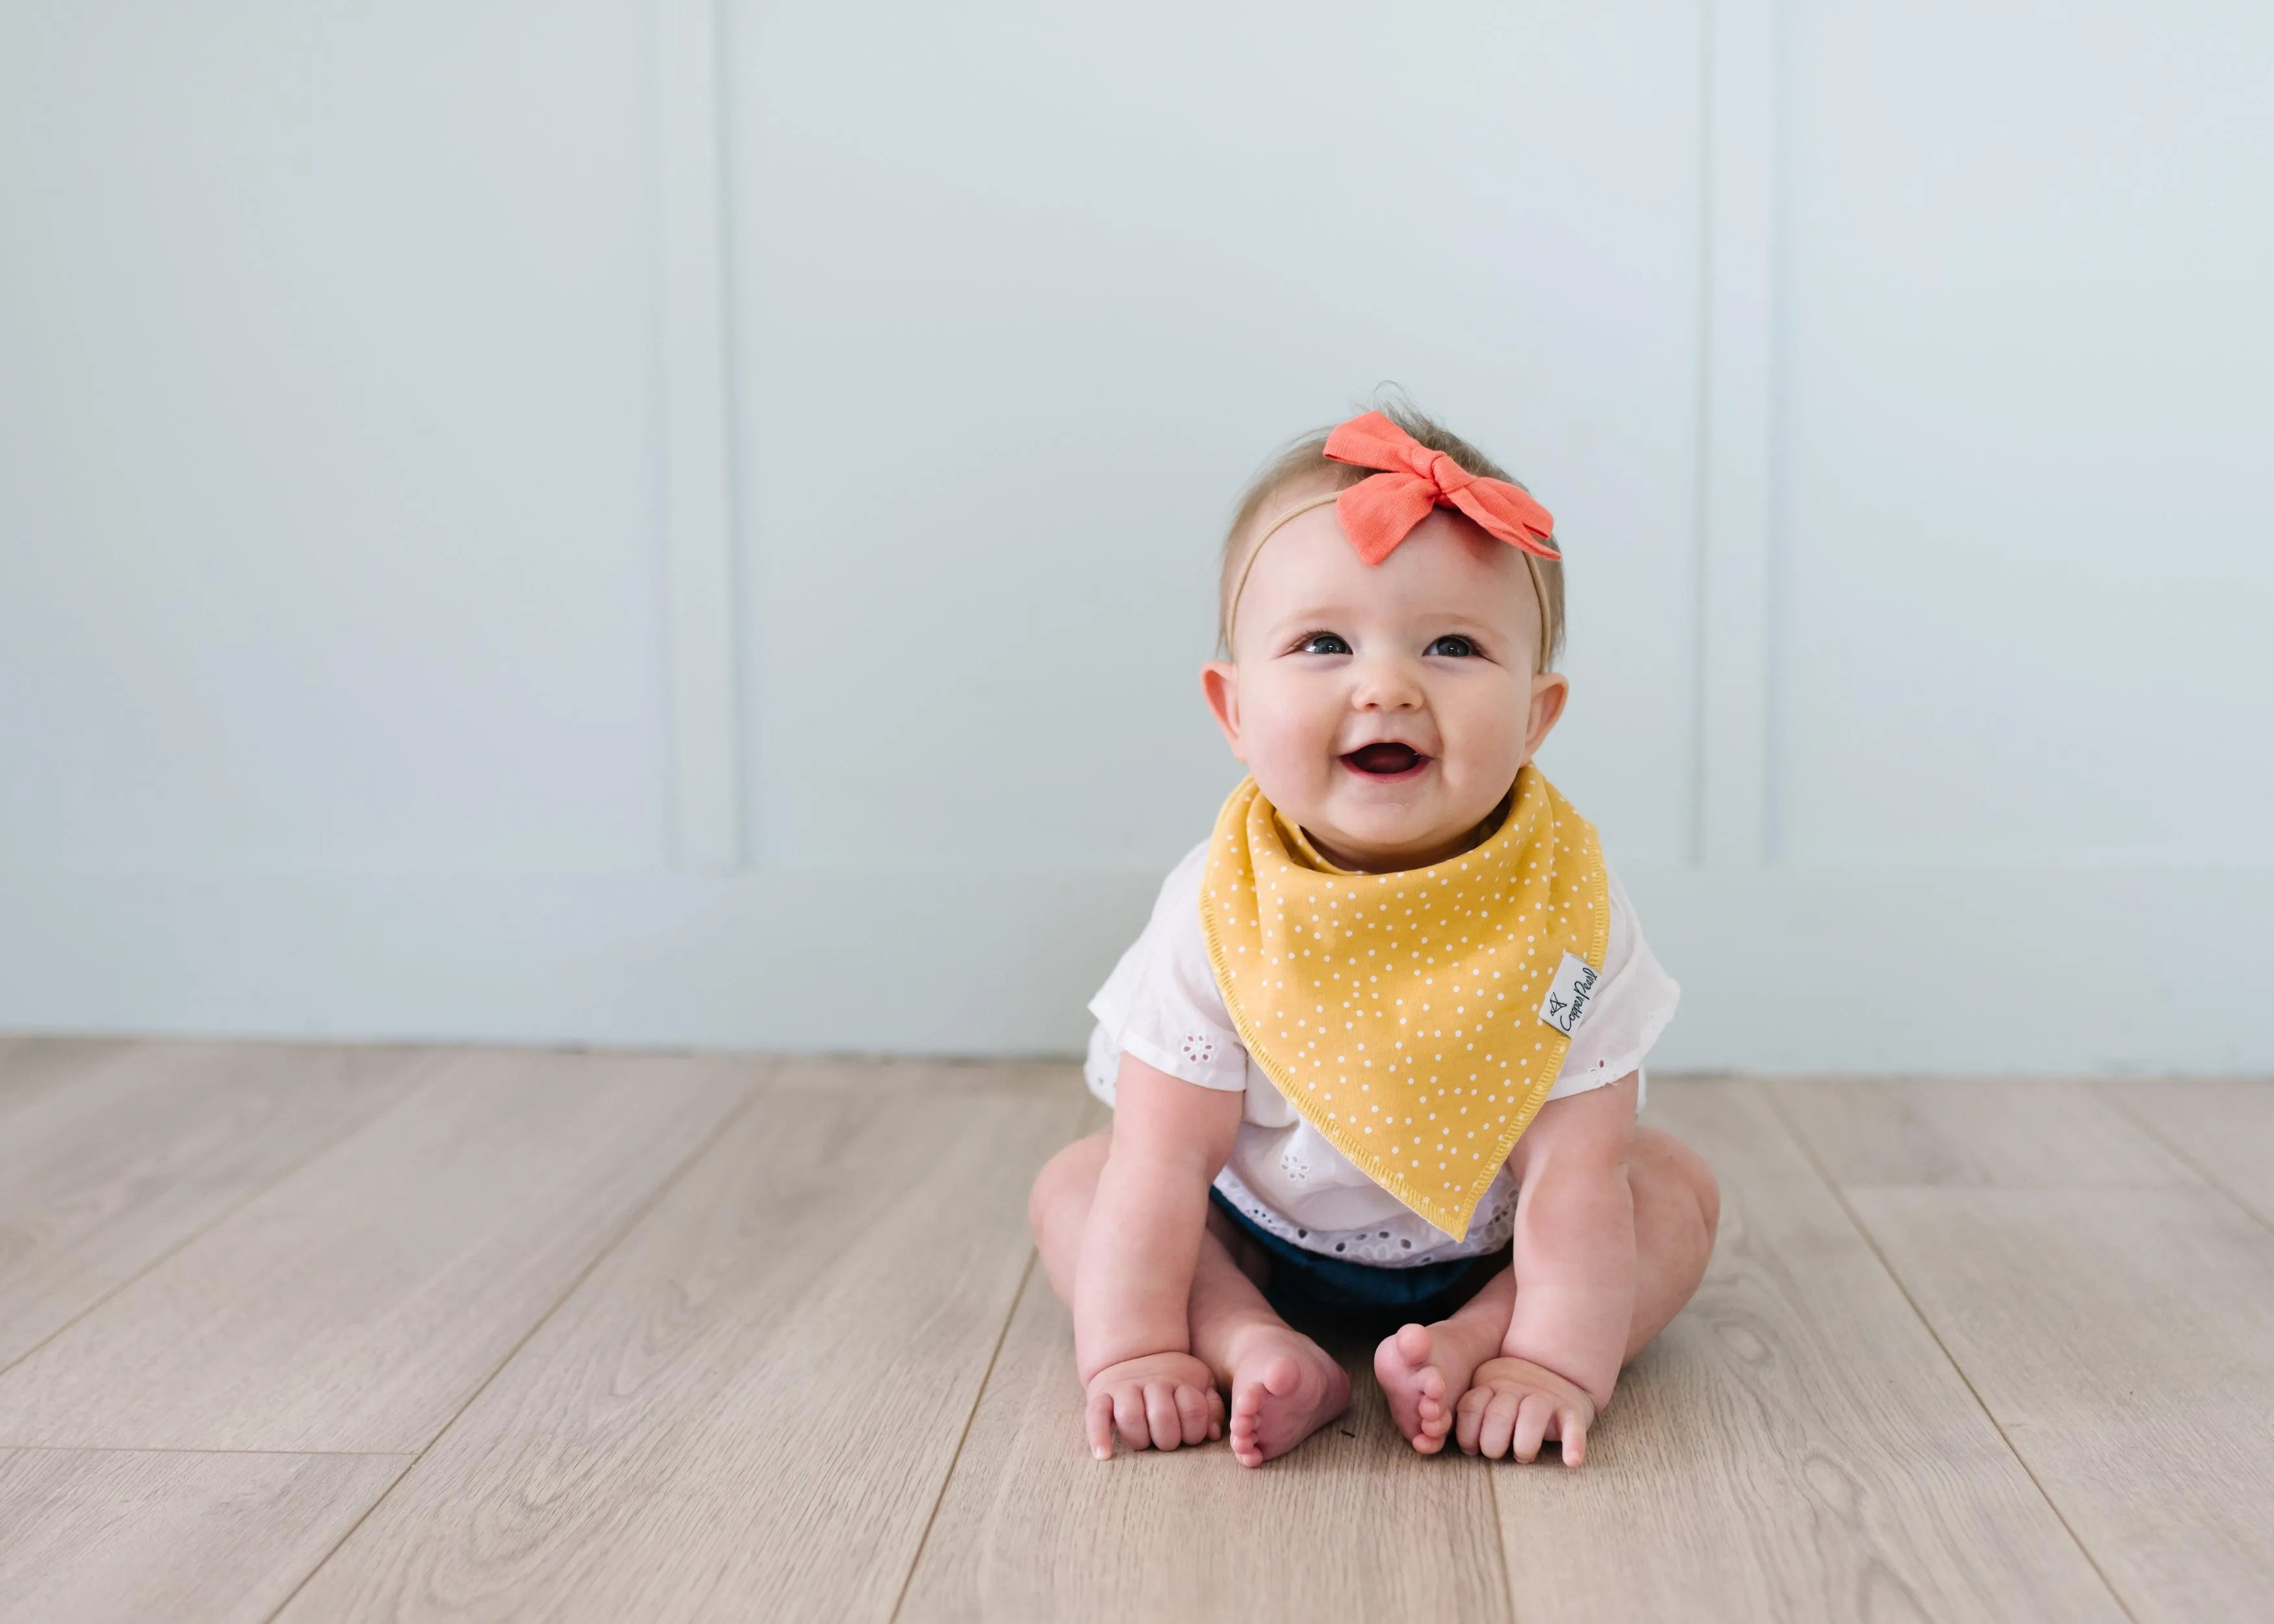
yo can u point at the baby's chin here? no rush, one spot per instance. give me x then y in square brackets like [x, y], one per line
[1381, 839]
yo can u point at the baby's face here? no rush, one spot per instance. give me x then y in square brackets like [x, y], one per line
[1385, 709]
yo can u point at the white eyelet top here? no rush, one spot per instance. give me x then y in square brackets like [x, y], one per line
[1160, 1004]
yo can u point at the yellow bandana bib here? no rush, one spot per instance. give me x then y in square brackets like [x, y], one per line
[1407, 1016]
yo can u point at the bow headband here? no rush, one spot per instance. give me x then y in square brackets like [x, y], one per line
[1379, 511]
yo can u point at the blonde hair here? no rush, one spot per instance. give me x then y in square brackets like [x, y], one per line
[1305, 464]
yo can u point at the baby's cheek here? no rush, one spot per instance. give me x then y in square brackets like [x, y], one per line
[1283, 729]
[1486, 729]
[1289, 768]
[1289, 756]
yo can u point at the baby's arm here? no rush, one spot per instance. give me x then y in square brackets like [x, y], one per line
[1575, 1274]
[1133, 1283]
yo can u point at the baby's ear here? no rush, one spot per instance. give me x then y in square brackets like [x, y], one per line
[1220, 681]
[1549, 690]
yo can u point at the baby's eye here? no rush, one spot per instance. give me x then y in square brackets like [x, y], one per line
[1458, 647]
[1324, 643]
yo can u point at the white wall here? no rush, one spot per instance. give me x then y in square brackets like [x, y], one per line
[621, 522]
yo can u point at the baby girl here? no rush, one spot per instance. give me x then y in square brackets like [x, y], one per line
[1379, 1051]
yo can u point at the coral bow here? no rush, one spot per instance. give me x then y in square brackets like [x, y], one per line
[1379, 513]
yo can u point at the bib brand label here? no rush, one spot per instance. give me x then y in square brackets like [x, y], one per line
[1569, 993]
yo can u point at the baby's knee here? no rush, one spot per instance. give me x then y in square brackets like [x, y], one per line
[1700, 1177]
[1067, 1180]
[1682, 1169]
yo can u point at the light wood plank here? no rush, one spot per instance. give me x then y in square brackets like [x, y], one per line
[89, 1537]
[33, 1066]
[111, 1154]
[1350, 1525]
[1795, 1446]
[2225, 1123]
[2012, 1133]
[2125, 1340]
[748, 1410]
[358, 1303]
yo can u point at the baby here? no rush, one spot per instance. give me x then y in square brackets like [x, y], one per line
[1380, 1049]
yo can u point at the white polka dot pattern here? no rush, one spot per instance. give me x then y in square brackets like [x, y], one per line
[1399, 1012]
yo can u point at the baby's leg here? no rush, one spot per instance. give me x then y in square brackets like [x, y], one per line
[1678, 1212]
[1425, 1369]
[1284, 1386]
[1059, 1207]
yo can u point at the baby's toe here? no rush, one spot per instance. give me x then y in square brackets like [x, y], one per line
[1280, 1377]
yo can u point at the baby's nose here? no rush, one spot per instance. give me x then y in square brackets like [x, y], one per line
[1386, 685]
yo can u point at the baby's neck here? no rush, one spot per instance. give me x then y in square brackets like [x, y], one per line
[1399, 859]
[1399, 862]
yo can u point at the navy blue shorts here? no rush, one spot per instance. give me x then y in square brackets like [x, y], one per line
[1312, 1284]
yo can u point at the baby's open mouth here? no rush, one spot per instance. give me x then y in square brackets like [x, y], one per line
[1385, 761]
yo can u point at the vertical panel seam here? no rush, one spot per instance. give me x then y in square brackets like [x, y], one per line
[1702, 545]
[700, 603]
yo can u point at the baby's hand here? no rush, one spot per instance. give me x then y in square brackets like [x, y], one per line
[1158, 1402]
[1514, 1402]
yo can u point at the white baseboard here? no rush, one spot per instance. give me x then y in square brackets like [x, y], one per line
[1851, 968]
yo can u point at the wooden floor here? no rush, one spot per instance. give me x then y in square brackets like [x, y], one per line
[316, 1334]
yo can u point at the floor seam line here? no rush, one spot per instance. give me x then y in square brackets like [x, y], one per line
[297, 1454]
[979, 1395]
[600, 1253]
[1808, 1151]
[1499, 1545]
[213, 1223]
[2147, 1124]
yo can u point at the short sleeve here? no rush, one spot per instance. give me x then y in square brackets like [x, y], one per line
[1631, 1008]
[1161, 1003]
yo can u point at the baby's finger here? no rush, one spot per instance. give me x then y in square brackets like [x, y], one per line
[1192, 1410]
[1468, 1417]
[1168, 1428]
[1571, 1425]
[1097, 1421]
[1532, 1419]
[1498, 1425]
[1129, 1415]
[1216, 1414]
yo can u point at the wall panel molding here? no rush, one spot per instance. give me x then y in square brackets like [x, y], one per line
[697, 447]
[1731, 809]
[1793, 968]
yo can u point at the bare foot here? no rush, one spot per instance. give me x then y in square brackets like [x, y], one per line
[1424, 1369]
[1284, 1388]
